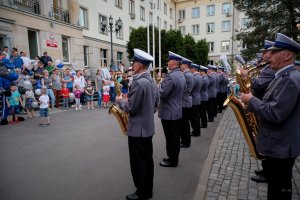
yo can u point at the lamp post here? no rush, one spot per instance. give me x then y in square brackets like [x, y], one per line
[118, 25]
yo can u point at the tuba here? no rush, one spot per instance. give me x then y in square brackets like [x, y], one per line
[247, 120]
[120, 115]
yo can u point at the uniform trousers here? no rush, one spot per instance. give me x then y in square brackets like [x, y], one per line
[185, 127]
[141, 164]
[279, 174]
[211, 109]
[172, 134]
[203, 113]
[220, 101]
[195, 120]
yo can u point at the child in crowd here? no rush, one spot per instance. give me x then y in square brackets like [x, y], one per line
[124, 82]
[66, 96]
[105, 93]
[77, 94]
[30, 99]
[89, 93]
[44, 107]
[13, 102]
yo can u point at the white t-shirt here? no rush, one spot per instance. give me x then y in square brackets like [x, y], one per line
[79, 81]
[29, 94]
[106, 90]
[26, 62]
[44, 99]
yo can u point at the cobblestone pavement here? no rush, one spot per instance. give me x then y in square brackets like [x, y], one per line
[232, 167]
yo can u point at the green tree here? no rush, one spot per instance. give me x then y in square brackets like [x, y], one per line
[267, 18]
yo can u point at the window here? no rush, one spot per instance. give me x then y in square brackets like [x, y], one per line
[142, 13]
[210, 10]
[225, 26]
[210, 62]
[165, 9]
[119, 58]
[211, 46]
[158, 4]
[33, 44]
[101, 19]
[210, 27]
[83, 17]
[196, 12]
[226, 8]
[195, 29]
[165, 25]
[131, 7]
[225, 45]
[158, 22]
[245, 23]
[103, 57]
[150, 18]
[118, 3]
[182, 30]
[65, 49]
[85, 55]
[171, 13]
[181, 14]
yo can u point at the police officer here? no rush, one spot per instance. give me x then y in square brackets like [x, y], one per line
[141, 104]
[186, 103]
[212, 93]
[196, 100]
[204, 96]
[170, 108]
[279, 113]
[222, 88]
[259, 85]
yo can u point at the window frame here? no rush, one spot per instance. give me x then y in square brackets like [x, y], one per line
[32, 57]
[214, 28]
[211, 47]
[85, 57]
[118, 60]
[131, 6]
[225, 13]
[226, 50]
[69, 49]
[119, 4]
[193, 16]
[196, 25]
[229, 26]
[103, 59]
[179, 14]
[180, 29]
[105, 32]
[214, 10]
[86, 26]
[142, 13]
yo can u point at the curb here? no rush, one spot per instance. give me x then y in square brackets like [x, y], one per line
[203, 180]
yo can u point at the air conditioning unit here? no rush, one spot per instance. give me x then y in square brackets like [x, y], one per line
[132, 16]
[228, 14]
[180, 20]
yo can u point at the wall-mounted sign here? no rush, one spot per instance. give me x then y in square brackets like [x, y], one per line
[52, 42]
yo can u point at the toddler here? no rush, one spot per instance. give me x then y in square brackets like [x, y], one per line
[105, 93]
[77, 94]
[89, 93]
[30, 99]
[13, 102]
[44, 108]
[66, 96]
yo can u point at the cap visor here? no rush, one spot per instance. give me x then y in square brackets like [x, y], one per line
[274, 49]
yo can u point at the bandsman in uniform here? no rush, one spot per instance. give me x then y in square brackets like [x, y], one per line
[279, 114]
[204, 96]
[170, 109]
[259, 85]
[212, 92]
[222, 89]
[142, 101]
[196, 100]
[186, 103]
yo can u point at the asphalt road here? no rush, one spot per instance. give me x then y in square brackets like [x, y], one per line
[82, 155]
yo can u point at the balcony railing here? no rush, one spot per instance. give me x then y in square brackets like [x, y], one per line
[32, 6]
[61, 14]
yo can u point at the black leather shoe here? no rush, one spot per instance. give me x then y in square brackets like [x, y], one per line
[259, 179]
[167, 163]
[202, 126]
[259, 172]
[166, 159]
[134, 197]
[184, 146]
[194, 135]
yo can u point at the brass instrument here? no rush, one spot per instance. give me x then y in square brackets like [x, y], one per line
[120, 114]
[247, 120]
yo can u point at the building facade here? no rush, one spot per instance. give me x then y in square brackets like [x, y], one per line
[77, 32]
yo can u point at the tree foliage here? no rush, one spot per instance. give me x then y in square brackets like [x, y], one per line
[267, 18]
[171, 40]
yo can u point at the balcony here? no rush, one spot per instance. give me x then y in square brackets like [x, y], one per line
[61, 14]
[32, 6]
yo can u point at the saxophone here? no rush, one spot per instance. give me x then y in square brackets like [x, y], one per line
[247, 120]
[119, 114]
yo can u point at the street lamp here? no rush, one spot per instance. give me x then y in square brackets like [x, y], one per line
[118, 25]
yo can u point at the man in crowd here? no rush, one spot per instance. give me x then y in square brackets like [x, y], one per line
[45, 59]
